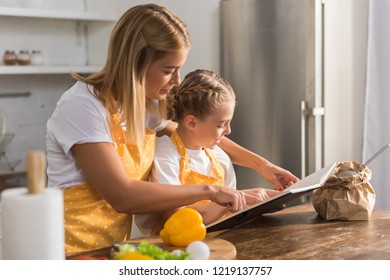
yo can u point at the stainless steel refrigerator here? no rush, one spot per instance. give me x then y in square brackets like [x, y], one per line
[272, 54]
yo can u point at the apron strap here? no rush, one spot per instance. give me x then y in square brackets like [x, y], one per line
[216, 167]
[185, 159]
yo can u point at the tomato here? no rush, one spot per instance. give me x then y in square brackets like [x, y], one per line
[88, 258]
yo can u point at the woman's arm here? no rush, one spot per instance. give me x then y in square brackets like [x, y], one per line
[276, 175]
[104, 170]
[168, 130]
[210, 211]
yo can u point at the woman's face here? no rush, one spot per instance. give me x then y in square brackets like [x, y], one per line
[210, 131]
[164, 73]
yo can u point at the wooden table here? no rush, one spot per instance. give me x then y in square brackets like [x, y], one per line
[298, 233]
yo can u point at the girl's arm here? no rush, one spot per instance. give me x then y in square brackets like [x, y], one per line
[168, 130]
[276, 175]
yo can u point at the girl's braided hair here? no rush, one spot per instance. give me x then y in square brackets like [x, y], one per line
[200, 94]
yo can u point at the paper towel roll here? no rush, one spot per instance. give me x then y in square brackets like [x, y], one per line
[1, 237]
[32, 225]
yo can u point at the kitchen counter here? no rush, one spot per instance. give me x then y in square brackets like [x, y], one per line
[298, 233]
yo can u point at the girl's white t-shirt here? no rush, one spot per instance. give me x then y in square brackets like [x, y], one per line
[79, 117]
[166, 166]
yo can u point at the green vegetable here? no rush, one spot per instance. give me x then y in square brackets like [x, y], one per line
[145, 248]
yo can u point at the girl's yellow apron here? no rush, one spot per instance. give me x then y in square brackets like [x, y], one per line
[90, 222]
[151, 224]
[188, 176]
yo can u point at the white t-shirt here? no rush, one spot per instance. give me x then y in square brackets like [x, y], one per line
[78, 118]
[166, 166]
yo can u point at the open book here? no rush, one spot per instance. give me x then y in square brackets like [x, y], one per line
[307, 184]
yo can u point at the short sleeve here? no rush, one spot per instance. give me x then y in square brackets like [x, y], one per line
[78, 121]
[166, 165]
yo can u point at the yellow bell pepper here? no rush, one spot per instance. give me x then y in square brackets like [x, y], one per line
[183, 227]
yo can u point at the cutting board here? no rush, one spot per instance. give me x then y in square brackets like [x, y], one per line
[220, 249]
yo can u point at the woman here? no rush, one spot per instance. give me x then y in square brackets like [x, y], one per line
[101, 136]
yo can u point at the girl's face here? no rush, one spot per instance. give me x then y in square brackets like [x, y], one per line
[164, 73]
[209, 131]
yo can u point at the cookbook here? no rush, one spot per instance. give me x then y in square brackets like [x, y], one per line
[306, 185]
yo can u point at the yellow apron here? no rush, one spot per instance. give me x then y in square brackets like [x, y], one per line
[90, 222]
[188, 176]
[151, 224]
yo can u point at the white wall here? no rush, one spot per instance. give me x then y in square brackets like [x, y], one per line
[202, 19]
[346, 24]
[27, 116]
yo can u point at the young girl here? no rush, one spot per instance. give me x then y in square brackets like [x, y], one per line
[203, 106]
[101, 136]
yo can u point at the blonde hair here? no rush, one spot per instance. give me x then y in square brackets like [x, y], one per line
[200, 94]
[142, 35]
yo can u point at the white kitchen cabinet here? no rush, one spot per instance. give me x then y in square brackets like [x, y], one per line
[65, 69]
[56, 14]
[70, 40]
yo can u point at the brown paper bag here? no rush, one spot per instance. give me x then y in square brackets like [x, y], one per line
[346, 197]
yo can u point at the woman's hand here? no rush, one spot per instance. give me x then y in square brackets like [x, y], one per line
[233, 199]
[256, 195]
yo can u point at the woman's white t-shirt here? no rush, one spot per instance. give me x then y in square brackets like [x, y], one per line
[79, 117]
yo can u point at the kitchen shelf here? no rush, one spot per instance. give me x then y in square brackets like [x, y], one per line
[84, 42]
[56, 14]
[23, 70]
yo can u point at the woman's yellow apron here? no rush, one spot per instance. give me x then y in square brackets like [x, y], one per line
[90, 222]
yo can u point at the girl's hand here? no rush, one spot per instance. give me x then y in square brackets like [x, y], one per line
[278, 176]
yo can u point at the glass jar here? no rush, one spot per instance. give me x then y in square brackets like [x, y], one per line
[10, 58]
[36, 57]
[24, 57]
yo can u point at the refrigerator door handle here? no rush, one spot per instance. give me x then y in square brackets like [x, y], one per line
[318, 111]
[305, 113]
